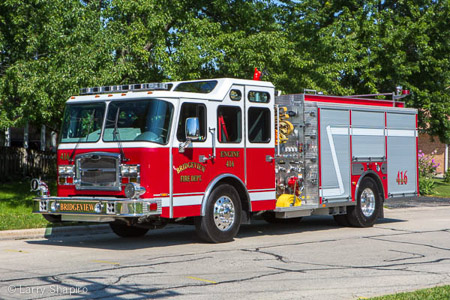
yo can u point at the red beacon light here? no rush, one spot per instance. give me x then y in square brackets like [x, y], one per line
[400, 93]
[257, 74]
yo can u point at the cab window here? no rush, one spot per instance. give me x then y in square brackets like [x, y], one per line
[229, 124]
[235, 95]
[259, 125]
[259, 97]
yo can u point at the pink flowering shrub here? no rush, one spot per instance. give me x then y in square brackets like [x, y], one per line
[427, 169]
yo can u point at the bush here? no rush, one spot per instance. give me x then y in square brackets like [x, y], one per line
[426, 186]
[447, 176]
[427, 169]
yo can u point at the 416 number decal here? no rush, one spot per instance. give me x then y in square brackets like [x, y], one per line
[402, 178]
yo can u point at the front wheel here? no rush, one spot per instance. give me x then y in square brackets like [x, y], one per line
[124, 230]
[222, 217]
[368, 207]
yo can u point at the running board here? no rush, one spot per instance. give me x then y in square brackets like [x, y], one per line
[308, 210]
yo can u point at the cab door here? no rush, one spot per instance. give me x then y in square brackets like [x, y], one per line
[230, 141]
[260, 147]
[190, 175]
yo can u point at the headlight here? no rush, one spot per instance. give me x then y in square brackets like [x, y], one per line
[130, 173]
[66, 170]
[130, 170]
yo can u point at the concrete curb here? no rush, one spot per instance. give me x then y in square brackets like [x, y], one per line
[54, 232]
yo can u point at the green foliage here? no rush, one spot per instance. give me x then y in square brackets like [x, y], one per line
[49, 49]
[447, 176]
[426, 185]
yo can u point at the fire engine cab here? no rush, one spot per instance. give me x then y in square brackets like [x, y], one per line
[216, 153]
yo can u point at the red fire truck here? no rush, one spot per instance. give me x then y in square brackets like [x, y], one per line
[217, 153]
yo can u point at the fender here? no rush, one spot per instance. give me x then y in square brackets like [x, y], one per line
[379, 183]
[213, 184]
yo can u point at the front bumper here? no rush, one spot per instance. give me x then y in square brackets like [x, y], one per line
[97, 206]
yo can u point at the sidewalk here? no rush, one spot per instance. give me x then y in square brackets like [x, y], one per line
[416, 202]
[54, 232]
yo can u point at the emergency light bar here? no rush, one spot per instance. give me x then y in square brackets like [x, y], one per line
[125, 88]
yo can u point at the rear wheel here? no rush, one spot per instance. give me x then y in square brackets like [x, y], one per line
[124, 230]
[222, 217]
[368, 206]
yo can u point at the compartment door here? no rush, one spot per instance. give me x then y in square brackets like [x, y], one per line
[334, 155]
[402, 154]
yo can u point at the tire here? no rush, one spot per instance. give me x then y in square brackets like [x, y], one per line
[269, 217]
[341, 220]
[127, 231]
[368, 206]
[52, 218]
[222, 217]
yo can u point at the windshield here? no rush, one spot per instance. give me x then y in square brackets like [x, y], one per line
[142, 120]
[82, 123]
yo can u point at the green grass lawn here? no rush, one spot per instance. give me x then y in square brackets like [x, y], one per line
[436, 293]
[441, 189]
[16, 207]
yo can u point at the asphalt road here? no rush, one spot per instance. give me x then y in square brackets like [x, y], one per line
[314, 259]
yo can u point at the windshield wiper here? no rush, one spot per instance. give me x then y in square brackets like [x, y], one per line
[91, 121]
[117, 134]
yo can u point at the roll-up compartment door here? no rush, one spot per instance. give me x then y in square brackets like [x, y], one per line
[335, 154]
[402, 154]
[368, 142]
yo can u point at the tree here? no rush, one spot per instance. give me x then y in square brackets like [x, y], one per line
[372, 46]
[48, 50]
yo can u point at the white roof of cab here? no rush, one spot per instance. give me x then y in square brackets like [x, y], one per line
[217, 94]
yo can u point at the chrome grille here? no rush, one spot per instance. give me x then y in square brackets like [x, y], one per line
[98, 171]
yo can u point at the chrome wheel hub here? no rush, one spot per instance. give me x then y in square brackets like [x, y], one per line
[224, 213]
[368, 202]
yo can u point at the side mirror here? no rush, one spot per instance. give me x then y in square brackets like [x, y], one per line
[192, 129]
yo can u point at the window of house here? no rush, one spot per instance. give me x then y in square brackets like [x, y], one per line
[192, 110]
[259, 127]
[229, 124]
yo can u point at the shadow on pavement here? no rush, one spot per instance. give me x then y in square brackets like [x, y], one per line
[184, 234]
